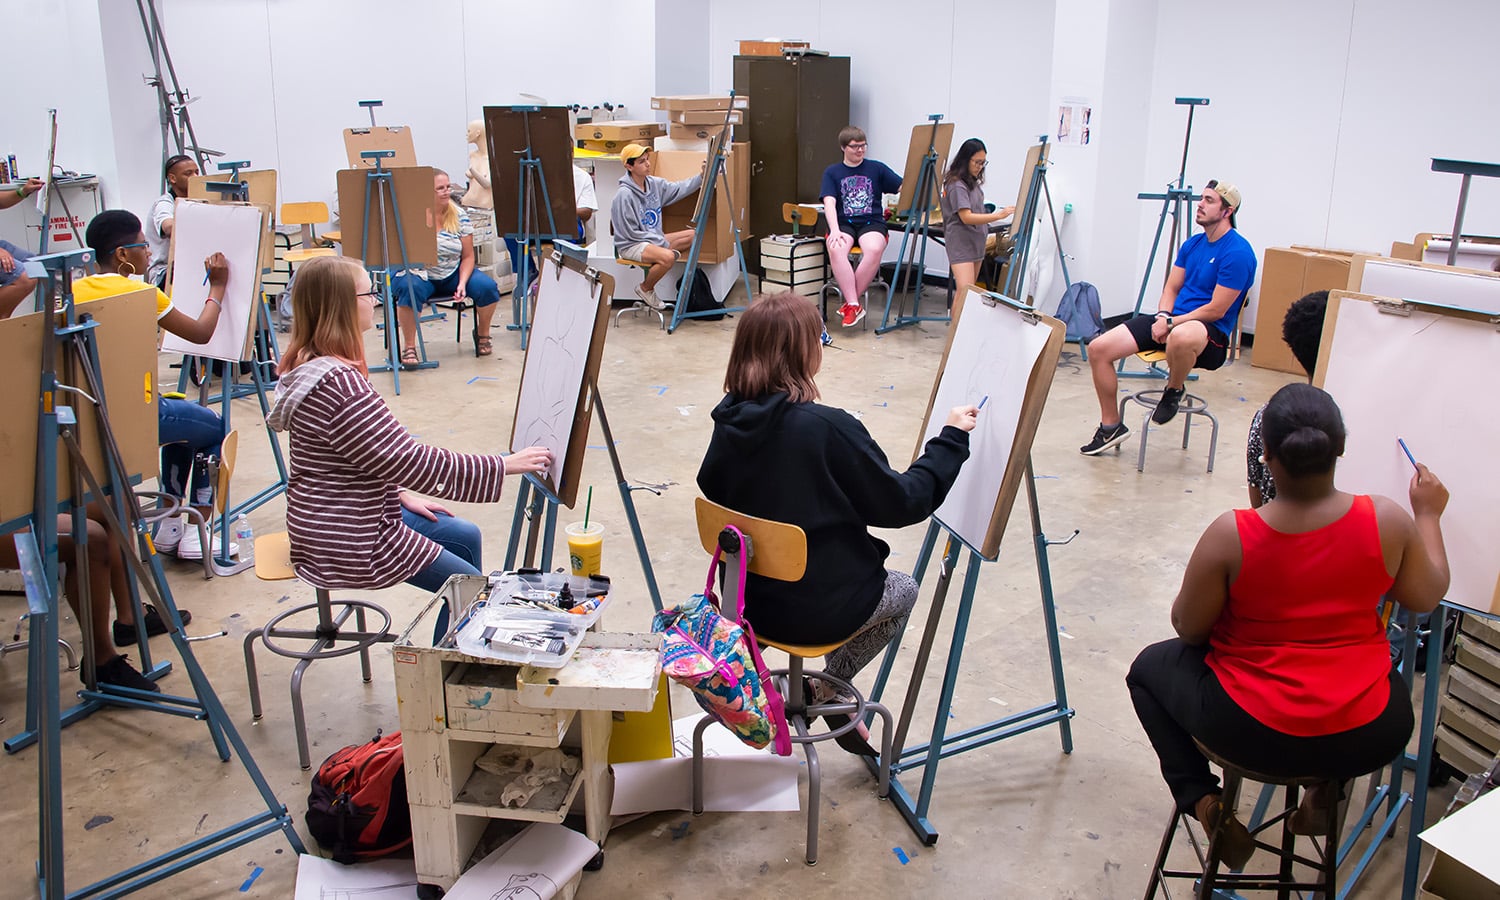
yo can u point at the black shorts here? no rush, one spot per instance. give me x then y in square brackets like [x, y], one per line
[858, 231]
[1211, 358]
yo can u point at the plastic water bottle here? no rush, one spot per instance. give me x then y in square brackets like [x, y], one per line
[244, 535]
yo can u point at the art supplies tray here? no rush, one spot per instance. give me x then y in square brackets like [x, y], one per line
[529, 617]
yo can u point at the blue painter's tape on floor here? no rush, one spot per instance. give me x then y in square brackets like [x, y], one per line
[481, 378]
[901, 855]
[659, 388]
[251, 880]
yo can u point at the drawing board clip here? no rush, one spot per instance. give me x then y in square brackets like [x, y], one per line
[1394, 307]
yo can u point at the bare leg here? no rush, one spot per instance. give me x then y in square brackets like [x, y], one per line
[843, 273]
[871, 245]
[484, 318]
[1104, 351]
[964, 274]
[1184, 343]
[661, 260]
[680, 241]
[408, 322]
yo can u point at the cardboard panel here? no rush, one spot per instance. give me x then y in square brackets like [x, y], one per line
[718, 242]
[414, 196]
[397, 138]
[922, 136]
[262, 184]
[1286, 275]
[510, 131]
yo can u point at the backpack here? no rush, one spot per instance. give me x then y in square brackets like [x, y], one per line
[1079, 310]
[357, 808]
[701, 298]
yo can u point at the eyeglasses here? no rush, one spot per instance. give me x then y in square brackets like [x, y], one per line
[133, 246]
[981, 163]
[372, 293]
[859, 146]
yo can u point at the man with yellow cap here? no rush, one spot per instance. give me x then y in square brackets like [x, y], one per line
[1192, 324]
[635, 218]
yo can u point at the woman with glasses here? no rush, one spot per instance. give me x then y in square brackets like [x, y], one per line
[454, 274]
[185, 428]
[351, 516]
[966, 225]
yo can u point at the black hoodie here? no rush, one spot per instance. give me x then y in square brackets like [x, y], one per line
[818, 468]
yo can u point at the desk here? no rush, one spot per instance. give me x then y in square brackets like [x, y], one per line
[453, 706]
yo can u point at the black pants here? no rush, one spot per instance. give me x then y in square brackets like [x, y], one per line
[1178, 698]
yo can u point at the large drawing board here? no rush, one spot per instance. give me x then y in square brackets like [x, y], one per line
[202, 228]
[506, 129]
[396, 138]
[126, 338]
[921, 137]
[419, 227]
[1426, 282]
[1033, 156]
[261, 184]
[562, 359]
[1008, 355]
[1380, 367]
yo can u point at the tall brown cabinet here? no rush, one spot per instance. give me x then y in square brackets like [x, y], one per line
[797, 106]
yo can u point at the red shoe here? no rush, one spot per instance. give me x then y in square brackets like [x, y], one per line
[853, 313]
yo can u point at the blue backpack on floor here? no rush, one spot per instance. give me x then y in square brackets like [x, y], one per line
[1079, 310]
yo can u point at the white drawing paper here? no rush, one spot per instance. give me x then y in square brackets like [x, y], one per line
[533, 865]
[1465, 290]
[736, 777]
[384, 879]
[199, 230]
[1380, 371]
[993, 352]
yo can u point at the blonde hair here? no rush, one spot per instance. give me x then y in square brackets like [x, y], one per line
[325, 313]
[450, 221]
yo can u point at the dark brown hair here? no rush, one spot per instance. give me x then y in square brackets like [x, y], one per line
[776, 348]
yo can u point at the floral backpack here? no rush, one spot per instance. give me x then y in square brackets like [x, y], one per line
[718, 659]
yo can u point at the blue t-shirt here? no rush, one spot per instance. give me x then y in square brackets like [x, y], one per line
[858, 189]
[1229, 261]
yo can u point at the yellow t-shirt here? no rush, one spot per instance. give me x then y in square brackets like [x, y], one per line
[97, 287]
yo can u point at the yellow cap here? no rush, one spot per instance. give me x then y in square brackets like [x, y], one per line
[632, 152]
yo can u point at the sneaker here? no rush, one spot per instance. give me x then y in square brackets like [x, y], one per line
[120, 673]
[827, 338]
[852, 313]
[1104, 438]
[125, 635]
[1171, 398]
[191, 545]
[168, 535]
[649, 298]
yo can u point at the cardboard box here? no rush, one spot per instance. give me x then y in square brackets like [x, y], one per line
[694, 145]
[623, 132]
[678, 131]
[1287, 273]
[718, 241]
[611, 147]
[706, 116]
[771, 47]
[681, 102]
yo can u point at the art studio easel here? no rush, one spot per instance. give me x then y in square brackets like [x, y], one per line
[1037, 191]
[51, 189]
[536, 504]
[915, 235]
[1176, 201]
[1468, 170]
[530, 235]
[70, 347]
[715, 178]
[379, 183]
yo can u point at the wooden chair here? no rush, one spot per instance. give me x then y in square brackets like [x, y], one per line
[306, 215]
[221, 471]
[273, 562]
[1192, 405]
[778, 550]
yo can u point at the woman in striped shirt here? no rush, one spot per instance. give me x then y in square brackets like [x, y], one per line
[351, 516]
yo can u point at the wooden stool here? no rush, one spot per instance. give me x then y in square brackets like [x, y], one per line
[1211, 882]
[778, 550]
[1192, 405]
[832, 287]
[638, 306]
[273, 562]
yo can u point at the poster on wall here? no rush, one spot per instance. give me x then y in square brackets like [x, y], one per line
[1074, 118]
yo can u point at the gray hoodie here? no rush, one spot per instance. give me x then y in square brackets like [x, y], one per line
[294, 387]
[635, 214]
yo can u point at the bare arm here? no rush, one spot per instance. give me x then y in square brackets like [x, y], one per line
[1215, 309]
[1205, 585]
[1169, 291]
[13, 194]
[1415, 544]
[465, 268]
[970, 217]
[199, 330]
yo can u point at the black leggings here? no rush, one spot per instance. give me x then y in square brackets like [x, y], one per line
[1178, 698]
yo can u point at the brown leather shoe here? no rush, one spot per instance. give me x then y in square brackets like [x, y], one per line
[1225, 833]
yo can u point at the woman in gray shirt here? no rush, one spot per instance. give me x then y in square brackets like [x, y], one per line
[965, 223]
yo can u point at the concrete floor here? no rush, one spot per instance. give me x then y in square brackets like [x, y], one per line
[1017, 819]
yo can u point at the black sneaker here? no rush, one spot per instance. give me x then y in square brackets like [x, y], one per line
[120, 673]
[1171, 398]
[125, 635]
[1104, 438]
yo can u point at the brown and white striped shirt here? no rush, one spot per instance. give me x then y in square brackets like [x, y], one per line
[349, 460]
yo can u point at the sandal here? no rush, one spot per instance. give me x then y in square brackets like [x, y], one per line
[850, 741]
[409, 360]
[484, 345]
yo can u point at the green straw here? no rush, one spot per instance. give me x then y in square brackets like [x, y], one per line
[586, 504]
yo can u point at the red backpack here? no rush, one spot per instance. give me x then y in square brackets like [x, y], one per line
[357, 808]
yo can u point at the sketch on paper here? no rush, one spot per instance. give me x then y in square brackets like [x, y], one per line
[381, 892]
[381, 879]
[201, 230]
[531, 886]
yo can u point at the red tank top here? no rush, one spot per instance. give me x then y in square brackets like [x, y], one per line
[1299, 645]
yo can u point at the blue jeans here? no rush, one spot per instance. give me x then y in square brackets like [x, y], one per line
[23, 254]
[406, 287]
[184, 430]
[463, 549]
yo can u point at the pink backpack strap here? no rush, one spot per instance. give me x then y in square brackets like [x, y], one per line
[773, 696]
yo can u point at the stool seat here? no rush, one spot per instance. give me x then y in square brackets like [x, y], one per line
[803, 650]
[1191, 405]
[1226, 763]
[273, 557]
[302, 255]
[637, 306]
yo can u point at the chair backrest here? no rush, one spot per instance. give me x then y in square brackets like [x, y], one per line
[777, 550]
[799, 214]
[312, 212]
[228, 451]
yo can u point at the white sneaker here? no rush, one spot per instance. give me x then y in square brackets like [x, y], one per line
[649, 298]
[168, 535]
[191, 545]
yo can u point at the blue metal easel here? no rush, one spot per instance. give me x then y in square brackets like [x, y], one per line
[941, 745]
[72, 347]
[1025, 232]
[531, 180]
[380, 182]
[716, 173]
[536, 504]
[915, 235]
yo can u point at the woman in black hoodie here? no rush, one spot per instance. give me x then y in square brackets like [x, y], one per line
[777, 454]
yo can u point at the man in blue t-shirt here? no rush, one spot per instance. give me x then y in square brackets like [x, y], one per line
[851, 193]
[1199, 305]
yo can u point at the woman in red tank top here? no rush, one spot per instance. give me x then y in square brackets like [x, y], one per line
[1281, 663]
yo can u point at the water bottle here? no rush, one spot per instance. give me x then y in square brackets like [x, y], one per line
[244, 535]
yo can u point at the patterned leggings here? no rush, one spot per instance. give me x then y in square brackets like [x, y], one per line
[888, 620]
